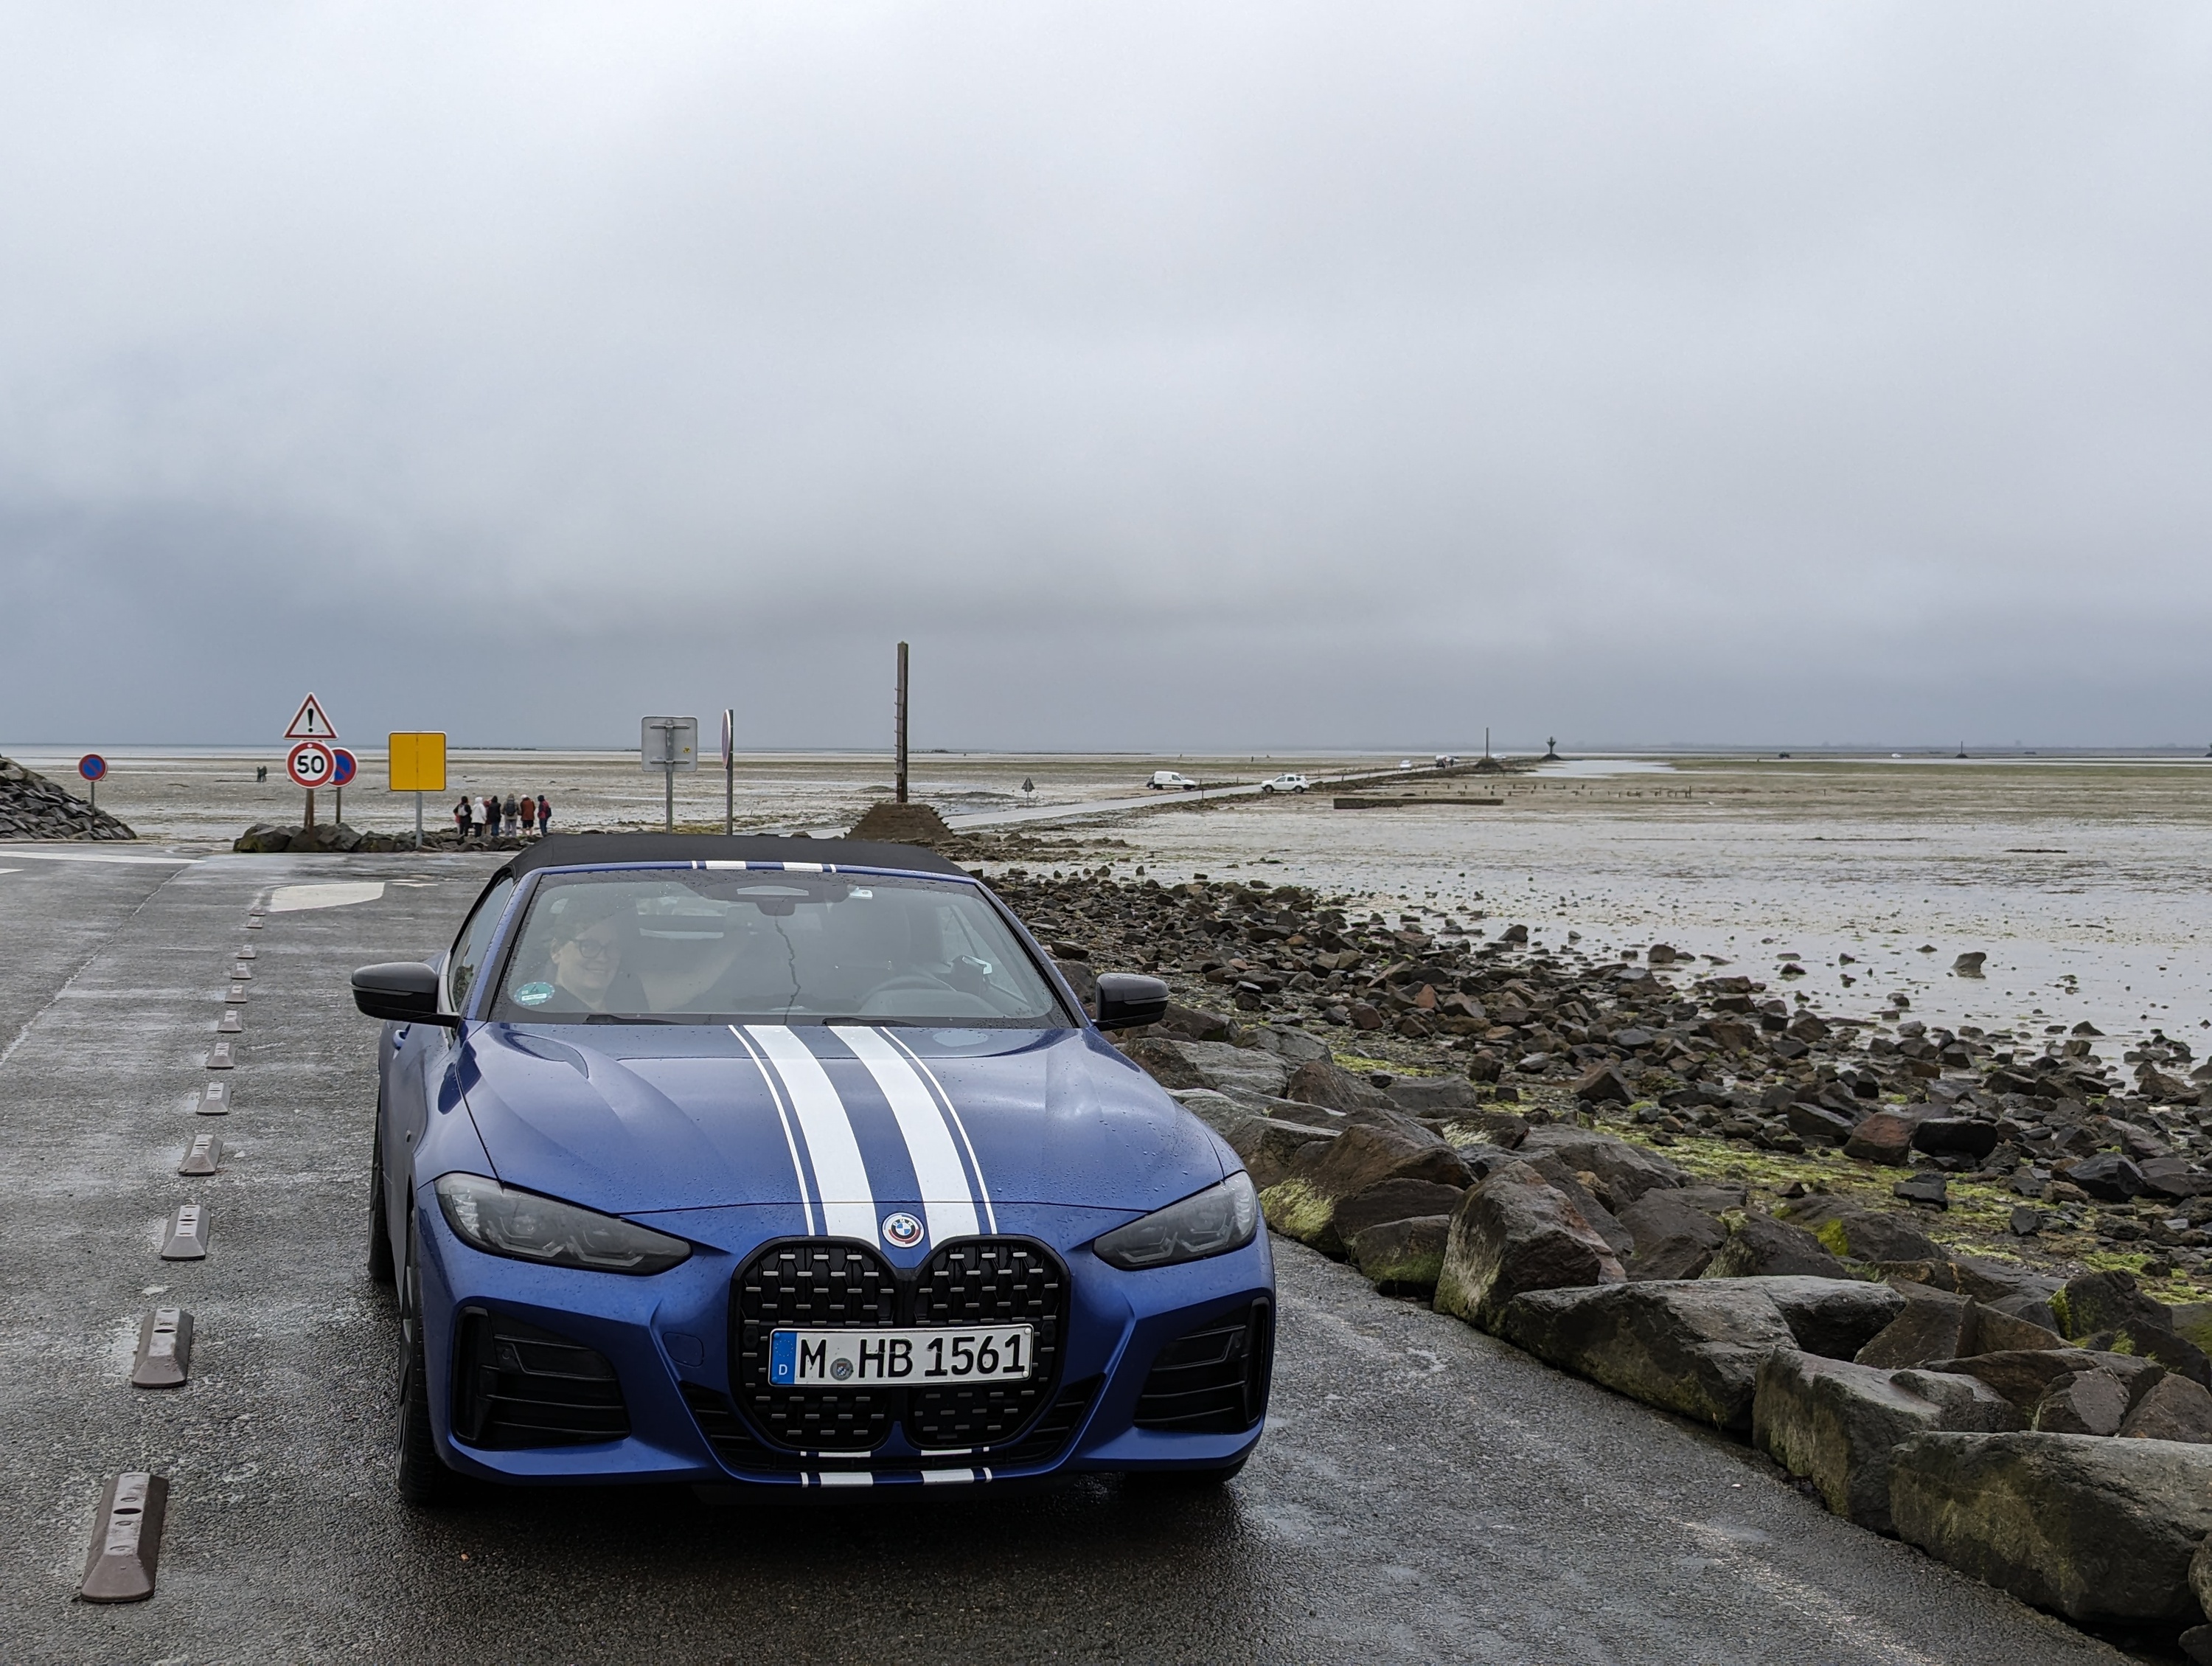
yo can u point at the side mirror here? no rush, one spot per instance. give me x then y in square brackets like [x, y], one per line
[1127, 999]
[403, 991]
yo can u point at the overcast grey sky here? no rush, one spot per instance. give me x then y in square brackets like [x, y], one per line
[1171, 375]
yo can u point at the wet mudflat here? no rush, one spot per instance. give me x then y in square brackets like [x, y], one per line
[1424, 1493]
[2088, 884]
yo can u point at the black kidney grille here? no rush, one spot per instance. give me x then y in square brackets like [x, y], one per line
[981, 1281]
[987, 1281]
[812, 1285]
[1214, 1378]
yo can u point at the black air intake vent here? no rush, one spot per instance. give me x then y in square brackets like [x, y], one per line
[1214, 1379]
[516, 1386]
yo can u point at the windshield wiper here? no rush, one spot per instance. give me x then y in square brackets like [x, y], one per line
[625, 1018]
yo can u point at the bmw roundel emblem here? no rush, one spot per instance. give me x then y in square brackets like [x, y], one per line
[902, 1231]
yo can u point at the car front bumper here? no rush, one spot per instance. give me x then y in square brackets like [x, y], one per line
[666, 1342]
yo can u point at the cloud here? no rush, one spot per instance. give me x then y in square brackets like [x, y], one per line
[1174, 377]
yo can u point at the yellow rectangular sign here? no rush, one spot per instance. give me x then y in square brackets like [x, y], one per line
[418, 763]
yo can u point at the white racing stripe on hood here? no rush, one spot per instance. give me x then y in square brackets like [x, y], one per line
[848, 1205]
[982, 1192]
[948, 1204]
[809, 1206]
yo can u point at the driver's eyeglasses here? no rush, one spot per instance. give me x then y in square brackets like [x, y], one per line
[593, 948]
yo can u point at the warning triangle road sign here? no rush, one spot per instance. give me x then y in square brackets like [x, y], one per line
[309, 723]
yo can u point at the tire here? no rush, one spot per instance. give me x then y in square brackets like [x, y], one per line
[380, 1268]
[424, 1480]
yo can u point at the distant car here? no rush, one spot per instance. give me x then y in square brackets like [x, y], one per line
[1445, 760]
[1164, 780]
[1285, 783]
[795, 1163]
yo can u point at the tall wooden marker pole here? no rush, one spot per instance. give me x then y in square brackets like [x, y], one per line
[901, 777]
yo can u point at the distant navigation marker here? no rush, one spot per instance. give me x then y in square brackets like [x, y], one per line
[899, 715]
[729, 770]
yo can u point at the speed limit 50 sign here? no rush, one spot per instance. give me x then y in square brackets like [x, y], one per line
[310, 765]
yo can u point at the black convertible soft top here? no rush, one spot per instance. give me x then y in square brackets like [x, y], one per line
[592, 849]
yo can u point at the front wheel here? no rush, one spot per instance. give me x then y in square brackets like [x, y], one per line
[381, 1270]
[424, 1480]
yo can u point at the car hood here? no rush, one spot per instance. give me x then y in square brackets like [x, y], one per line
[846, 1122]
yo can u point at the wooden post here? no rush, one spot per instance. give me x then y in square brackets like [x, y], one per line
[311, 806]
[901, 777]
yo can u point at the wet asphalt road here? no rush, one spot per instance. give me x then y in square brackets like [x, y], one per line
[1424, 1493]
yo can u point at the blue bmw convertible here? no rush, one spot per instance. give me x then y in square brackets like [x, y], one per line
[794, 1163]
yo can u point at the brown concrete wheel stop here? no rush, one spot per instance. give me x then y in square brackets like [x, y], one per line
[127, 1540]
[241, 971]
[165, 1350]
[215, 1100]
[253, 922]
[187, 1236]
[246, 953]
[232, 1022]
[220, 1057]
[235, 995]
[202, 1156]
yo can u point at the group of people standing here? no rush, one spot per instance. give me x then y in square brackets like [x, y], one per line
[488, 818]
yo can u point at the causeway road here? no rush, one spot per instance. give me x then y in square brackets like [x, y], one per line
[1424, 1493]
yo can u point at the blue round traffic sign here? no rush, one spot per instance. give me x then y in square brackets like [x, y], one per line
[92, 766]
[343, 765]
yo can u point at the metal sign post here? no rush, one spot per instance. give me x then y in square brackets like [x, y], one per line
[901, 777]
[92, 767]
[729, 770]
[342, 765]
[668, 744]
[418, 759]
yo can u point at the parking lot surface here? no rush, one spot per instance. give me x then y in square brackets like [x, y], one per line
[1424, 1493]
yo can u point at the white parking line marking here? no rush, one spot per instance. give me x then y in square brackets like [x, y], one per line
[338, 894]
[99, 856]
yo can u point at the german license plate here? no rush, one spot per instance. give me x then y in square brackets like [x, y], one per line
[938, 1354]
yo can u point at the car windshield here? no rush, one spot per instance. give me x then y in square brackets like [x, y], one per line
[710, 946]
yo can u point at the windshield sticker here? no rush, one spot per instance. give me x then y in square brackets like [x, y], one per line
[534, 994]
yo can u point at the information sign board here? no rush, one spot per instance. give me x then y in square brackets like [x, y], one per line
[418, 761]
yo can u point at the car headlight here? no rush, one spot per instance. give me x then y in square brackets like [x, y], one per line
[1210, 1222]
[502, 1221]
